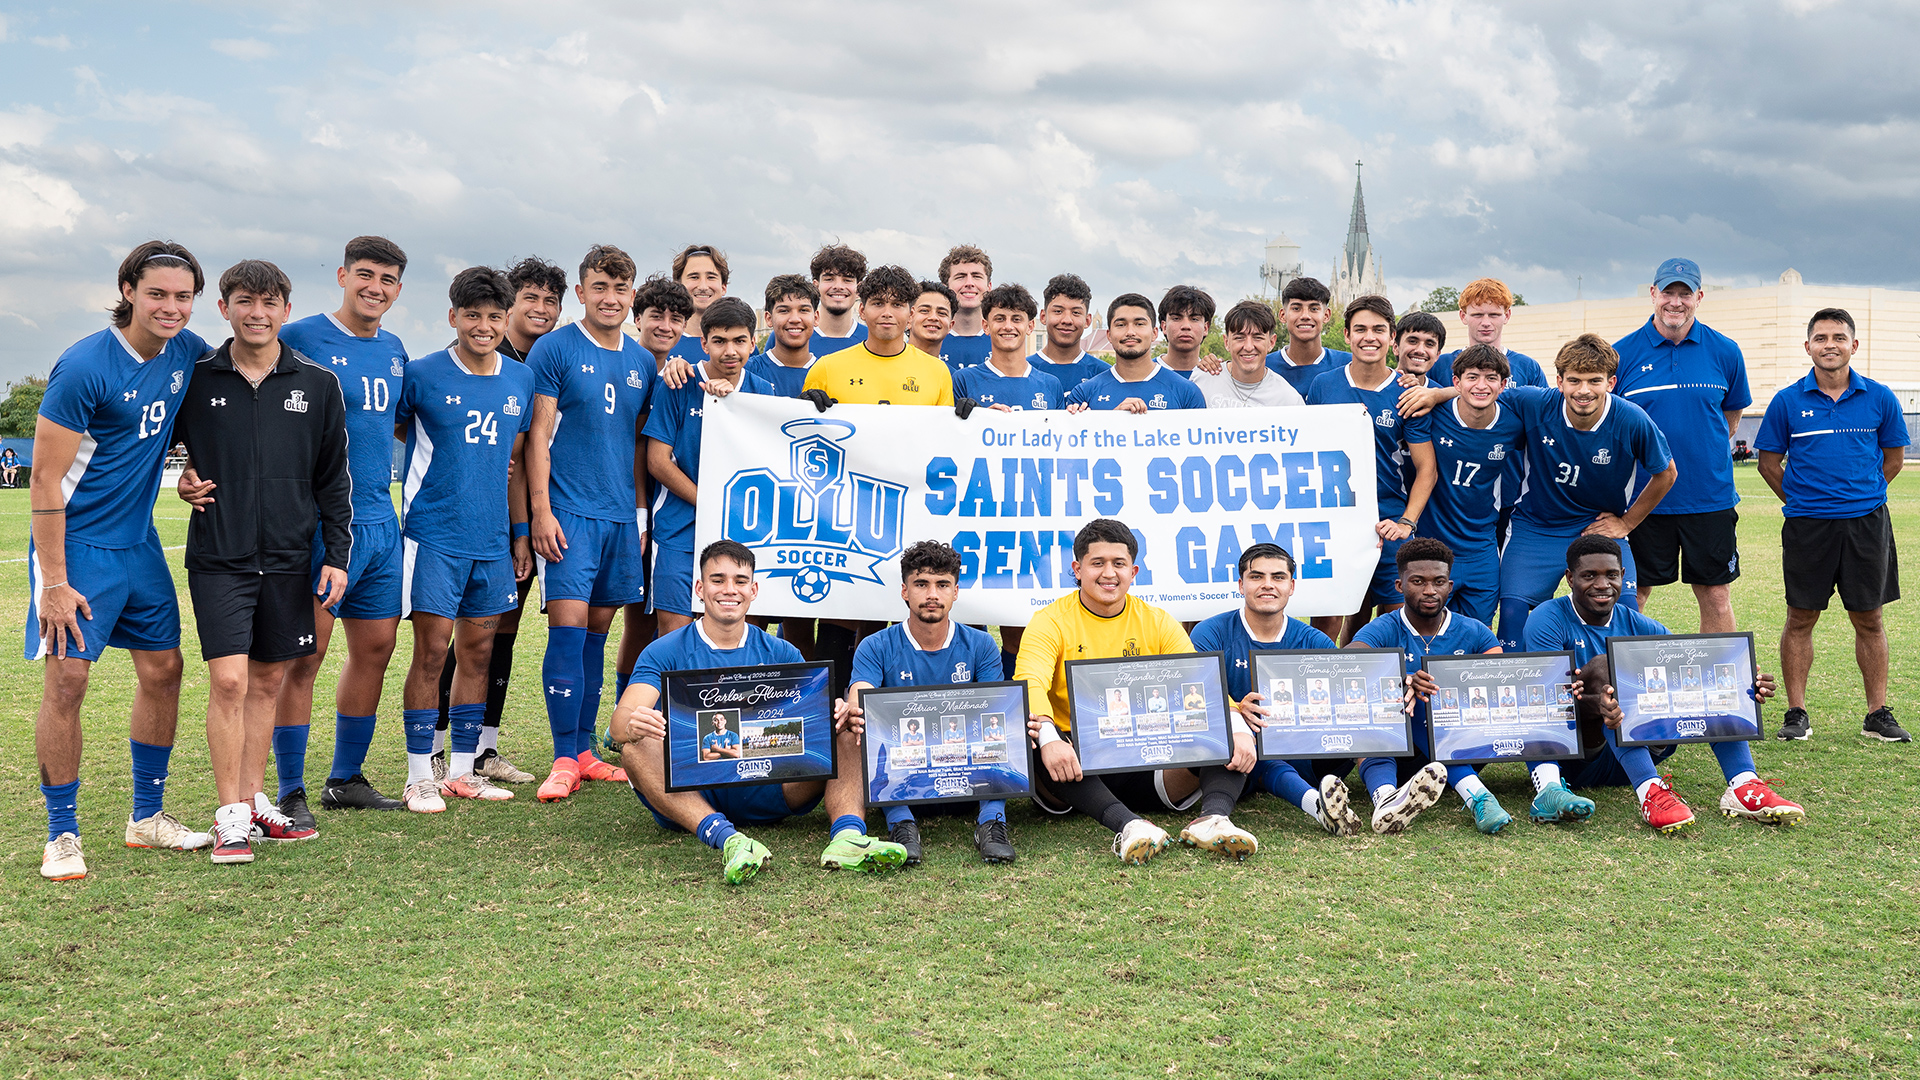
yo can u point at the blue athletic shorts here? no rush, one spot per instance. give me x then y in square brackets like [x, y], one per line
[374, 572]
[670, 577]
[1381, 591]
[749, 804]
[602, 564]
[1534, 563]
[129, 590]
[456, 588]
[1476, 584]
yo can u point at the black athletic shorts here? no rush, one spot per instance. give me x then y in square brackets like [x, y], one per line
[266, 617]
[1855, 555]
[1699, 549]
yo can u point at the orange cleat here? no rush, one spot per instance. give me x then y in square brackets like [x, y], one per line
[592, 768]
[563, 781]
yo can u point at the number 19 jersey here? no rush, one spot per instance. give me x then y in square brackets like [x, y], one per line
[460, 432]
[598, 396]
[369, 370]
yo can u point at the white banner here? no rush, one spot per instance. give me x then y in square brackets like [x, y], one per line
[827, 501]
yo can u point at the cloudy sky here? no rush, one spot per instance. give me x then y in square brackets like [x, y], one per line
[1137, 144]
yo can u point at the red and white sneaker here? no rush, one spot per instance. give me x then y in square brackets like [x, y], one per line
[1756, 800]
[1664, 810]
[270, 824]
[592, 768]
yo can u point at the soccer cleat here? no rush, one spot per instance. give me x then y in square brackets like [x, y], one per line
[498, 769]
[745, 858]
[907, 835]
[274, 825]
[1881, 725]
[439, 763]
[233, 841]
[991, 840]
[474, 786]
[62, 861]
[1139, 842]
[354, 793]
[1664, 810]
[423, 797]
[296, 809]
[1336, 809]
[1217, 832]
[858, 851]
[1488, 815]
[1559, 803]
[1756, 800]
[1407, 800]
[561, 782]
[163, 830]
[1796, 726]
[592, 768]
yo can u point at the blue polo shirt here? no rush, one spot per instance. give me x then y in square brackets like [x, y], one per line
[1522, 370]
[1688, 389]
[1833, 447]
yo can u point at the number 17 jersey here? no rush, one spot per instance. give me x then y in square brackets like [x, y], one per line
[460, 432]
[598, 396]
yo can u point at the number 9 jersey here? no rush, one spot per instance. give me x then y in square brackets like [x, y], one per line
[598, 395]
[460, 433]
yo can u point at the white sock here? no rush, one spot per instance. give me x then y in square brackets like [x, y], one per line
[440, 740]
[1468, 787]
[1642, 790]
[1741, 778]
[1545, 775]
[1310, 804]
[489, 740]
[459, 764]
[419, 767]
[1383, 793]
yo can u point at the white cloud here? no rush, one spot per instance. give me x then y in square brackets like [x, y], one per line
[243, 48]
[58, 42]
[31, 201]
[25, 128]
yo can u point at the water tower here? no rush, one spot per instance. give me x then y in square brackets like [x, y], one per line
[1282, 265]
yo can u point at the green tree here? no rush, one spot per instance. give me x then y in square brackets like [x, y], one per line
[22, 404]
[1444, 298]
[1519, 301]
[1335, 335]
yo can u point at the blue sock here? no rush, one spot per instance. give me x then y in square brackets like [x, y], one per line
[848, 821]
[620, 681]
[1457, 773]
[1637, 762]
[991, 810]
[1735, 758]
[290, 756]
[1379, 772]
[1281, 780]
[898, 814]
[352, 735]
[149, 778]
[714, 830]
[1007, 660]
[560, 676]
[63, 808]
[419, 725]
[593, 674]
[1513, 621]
[463, 722]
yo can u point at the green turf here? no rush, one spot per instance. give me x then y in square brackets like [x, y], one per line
[579, 940]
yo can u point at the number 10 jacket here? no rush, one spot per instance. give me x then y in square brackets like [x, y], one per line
[277, 454]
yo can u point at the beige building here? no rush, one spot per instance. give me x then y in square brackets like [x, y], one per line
[1769, 322]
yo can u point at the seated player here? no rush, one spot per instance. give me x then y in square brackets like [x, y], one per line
[929, 649]
[723, 638]
[1266, 584]
[1136, 383]
[1476, 446]
[1099, 620]
[1007, 380]
[1582, 622]
[9, 468]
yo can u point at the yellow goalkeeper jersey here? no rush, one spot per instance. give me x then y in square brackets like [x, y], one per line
[857, 376]
[1065, 630]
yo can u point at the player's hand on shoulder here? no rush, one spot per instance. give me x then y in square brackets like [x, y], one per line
[1208, 363]
[719, 388]
[194, 491]
[675, 372]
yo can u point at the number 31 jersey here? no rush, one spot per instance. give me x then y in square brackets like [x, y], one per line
[1574, 475]
[460, 432]
[369, 370]
[598, 395]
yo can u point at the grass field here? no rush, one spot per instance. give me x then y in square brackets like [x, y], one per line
[578, 940]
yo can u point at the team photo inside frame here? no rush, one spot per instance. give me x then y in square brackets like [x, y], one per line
[1333, 703]
[1502, 707]
[1150, 712]
[1685, 688]
[955, 743]
[771, 724]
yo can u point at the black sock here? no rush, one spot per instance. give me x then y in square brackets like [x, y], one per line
[1220, 789]
[1091, 797]
[499, 674]
[446, 694]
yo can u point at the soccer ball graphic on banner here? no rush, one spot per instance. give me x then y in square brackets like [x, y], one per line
[811, 584]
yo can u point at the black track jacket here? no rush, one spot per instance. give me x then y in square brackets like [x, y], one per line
[279, 457]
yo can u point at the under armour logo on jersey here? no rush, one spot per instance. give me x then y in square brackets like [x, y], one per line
[306, 639]
[1806, 412]
[1646, 367]
[296, 401]
[453, 399]
[586, 369]
[633, 380]
[906, 676]
[217, 401]
[1240, 661]
[1106, 397]
[693, 412]
[1444, 441]
[1605, 455]
[339, 360]
[1547, 440]
[129, 395]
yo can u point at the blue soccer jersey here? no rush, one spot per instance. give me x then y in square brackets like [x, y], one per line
[676, 420]
[124, 408]
[1069, 375]
[688, 348]
[1036, 390]
[1301, 376]
[369, 370]
[1523, 370]
[1557, 625]
[785, 381]
[1688, 389]
[689, 649]
[966, 350]
[599, 394]
[1229, 633]
[1573, 475]
[892, 658]
[828, 344]
[1474, 464]
[460, 433]
[719, 740]
[1163, 389]
[1382, 403]
[1458, 636]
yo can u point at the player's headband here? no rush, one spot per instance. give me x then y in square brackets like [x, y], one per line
[164, 255]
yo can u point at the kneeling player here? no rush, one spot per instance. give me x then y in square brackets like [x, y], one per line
[722, 638]
[1582, 622]
[1100, 620]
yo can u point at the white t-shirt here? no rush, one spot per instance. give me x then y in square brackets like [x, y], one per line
[1223, 391]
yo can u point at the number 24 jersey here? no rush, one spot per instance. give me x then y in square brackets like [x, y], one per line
[460, 432]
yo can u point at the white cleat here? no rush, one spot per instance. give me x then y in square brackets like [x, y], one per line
[163, 830]
[1217, 832]
[1336, 808]
[62, 861]
[1139, 842]
[423, 797]
[1406, 802]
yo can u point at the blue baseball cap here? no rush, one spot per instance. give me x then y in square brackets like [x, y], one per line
[1673, 270]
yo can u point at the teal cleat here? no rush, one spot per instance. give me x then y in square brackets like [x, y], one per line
[1559, 803]
[1488, 815]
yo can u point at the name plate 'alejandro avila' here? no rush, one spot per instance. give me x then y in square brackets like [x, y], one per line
[1685, 688]
[1150, 712]
[750, 725]
[951, 743]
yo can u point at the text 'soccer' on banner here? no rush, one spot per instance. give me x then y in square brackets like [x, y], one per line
[827, 501]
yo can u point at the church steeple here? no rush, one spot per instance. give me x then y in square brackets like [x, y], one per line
[1357, 243]
[1359, 271]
